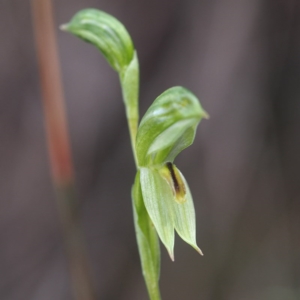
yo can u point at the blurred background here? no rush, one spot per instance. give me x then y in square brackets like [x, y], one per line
[242, 59]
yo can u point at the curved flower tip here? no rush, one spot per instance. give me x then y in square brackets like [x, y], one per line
[205, 115]
[168, 127]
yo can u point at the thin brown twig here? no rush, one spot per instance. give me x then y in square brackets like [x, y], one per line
[59, 147]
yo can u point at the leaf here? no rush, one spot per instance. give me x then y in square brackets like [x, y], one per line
[158, 199]
[185, 218]
[106, 33]
[168, 126]
[147, 239]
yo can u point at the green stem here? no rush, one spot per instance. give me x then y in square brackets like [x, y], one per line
[155, 293]
[133, 130]
[147, 240]
[129, 79]
[145, 232]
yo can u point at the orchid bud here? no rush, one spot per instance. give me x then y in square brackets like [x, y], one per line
[106, 33]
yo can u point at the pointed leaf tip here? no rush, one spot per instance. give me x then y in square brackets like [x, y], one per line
[199, 250]
[171, 254]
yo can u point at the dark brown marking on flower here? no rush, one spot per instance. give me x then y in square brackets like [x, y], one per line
[173, 175]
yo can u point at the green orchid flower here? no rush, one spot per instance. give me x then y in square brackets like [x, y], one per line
[161, 198]
[167, 128]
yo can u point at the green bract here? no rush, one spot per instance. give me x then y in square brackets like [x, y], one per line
[148, 243]
[162, 201]
[112, 39]
[106, 33]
